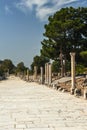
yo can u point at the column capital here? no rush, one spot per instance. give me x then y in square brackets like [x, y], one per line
[41, 67]
[72, 53]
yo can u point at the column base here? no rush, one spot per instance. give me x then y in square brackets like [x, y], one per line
[85, 94]
[72, 91]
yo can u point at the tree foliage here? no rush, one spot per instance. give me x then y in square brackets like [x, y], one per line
[20, 68]
[56, 67]
[65, 32]
[80, 69]
[39, 61]
[5, 66]
[83, 54]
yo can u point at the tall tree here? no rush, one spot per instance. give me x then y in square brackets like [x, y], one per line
[20, 67]
[84, 57]
[7, 65]
[66, 31]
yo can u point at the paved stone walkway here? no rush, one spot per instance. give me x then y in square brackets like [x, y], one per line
[29, 106]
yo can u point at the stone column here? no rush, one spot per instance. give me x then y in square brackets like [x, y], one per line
[27, 74]
[35, 72]
[50, 74]
[42, 76]
[46, 73]
[64, 70]
[72, 72]
[8, 73]
[62, 67]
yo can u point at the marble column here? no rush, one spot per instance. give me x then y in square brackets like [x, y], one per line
[8, 73]
[50, 73]
[72, 54]
[62, 67]
[42, 76]
[35, 72]
[46, 73]
[27, 74]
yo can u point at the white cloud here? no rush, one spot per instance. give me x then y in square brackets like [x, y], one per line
[43, 12]
[43, 8]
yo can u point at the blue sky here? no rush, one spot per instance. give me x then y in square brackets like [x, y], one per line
[22, 26]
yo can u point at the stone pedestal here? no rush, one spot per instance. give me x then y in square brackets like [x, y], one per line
[72, 72]
[42, 76]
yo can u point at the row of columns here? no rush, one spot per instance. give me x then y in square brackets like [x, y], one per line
[48, 74]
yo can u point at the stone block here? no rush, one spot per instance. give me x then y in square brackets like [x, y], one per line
[77, 92]
[85, 93]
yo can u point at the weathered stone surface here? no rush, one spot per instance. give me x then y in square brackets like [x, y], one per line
[50, 74]
[46, 73]
[42, 76]
[60, 89]
[72, 72]
[77, 92]
[35, 73]
[29, 106]
[85, 93]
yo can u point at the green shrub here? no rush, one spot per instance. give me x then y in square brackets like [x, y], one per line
[80, 69]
